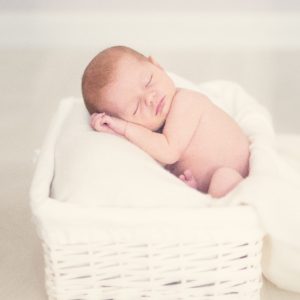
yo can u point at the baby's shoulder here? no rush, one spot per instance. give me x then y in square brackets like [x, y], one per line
[191, 96]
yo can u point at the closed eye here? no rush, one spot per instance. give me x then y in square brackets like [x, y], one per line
[138, 104]
[149, 81]
[137, 107]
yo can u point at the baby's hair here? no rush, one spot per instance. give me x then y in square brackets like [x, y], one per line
[100, 71]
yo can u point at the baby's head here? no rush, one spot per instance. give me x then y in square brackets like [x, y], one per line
[126, 84]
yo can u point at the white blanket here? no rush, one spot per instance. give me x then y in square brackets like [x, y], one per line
[272, 187]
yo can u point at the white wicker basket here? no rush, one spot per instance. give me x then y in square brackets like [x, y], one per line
[153, 254]
[136, 253]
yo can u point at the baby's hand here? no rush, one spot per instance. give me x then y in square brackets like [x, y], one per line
[105, 123]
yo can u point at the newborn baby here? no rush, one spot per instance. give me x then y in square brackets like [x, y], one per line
[131, 95]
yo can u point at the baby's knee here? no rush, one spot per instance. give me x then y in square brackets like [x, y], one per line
[223, 181]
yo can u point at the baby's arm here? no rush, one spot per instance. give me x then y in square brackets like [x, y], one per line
[155, 144]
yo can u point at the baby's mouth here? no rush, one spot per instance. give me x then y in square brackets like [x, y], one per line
[160, 106]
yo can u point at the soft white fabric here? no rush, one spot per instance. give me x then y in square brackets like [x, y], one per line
[104, 170]
[274, 190]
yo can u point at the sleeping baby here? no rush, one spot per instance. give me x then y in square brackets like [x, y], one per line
[131, 95]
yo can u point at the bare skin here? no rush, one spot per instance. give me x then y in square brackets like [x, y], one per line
[179, 128]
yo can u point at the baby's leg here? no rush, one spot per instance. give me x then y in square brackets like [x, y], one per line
[188, 178]
[223, 181]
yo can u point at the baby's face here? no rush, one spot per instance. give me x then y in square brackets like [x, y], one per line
[141, 93]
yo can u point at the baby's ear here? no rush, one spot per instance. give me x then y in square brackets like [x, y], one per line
[154, 62]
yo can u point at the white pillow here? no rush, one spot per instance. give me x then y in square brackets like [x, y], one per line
[101, 169]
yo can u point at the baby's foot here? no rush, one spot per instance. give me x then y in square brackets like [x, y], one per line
[188, 178]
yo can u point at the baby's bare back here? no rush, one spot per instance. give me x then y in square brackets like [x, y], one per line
[217, 142]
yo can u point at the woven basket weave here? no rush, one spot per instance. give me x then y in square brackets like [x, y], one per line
[183, 255]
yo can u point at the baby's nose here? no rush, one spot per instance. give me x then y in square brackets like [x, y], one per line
[150, 98]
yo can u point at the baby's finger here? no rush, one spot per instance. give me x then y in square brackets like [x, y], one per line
[106, 120]
[96, 122]
[93, 117]
[99, 117]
